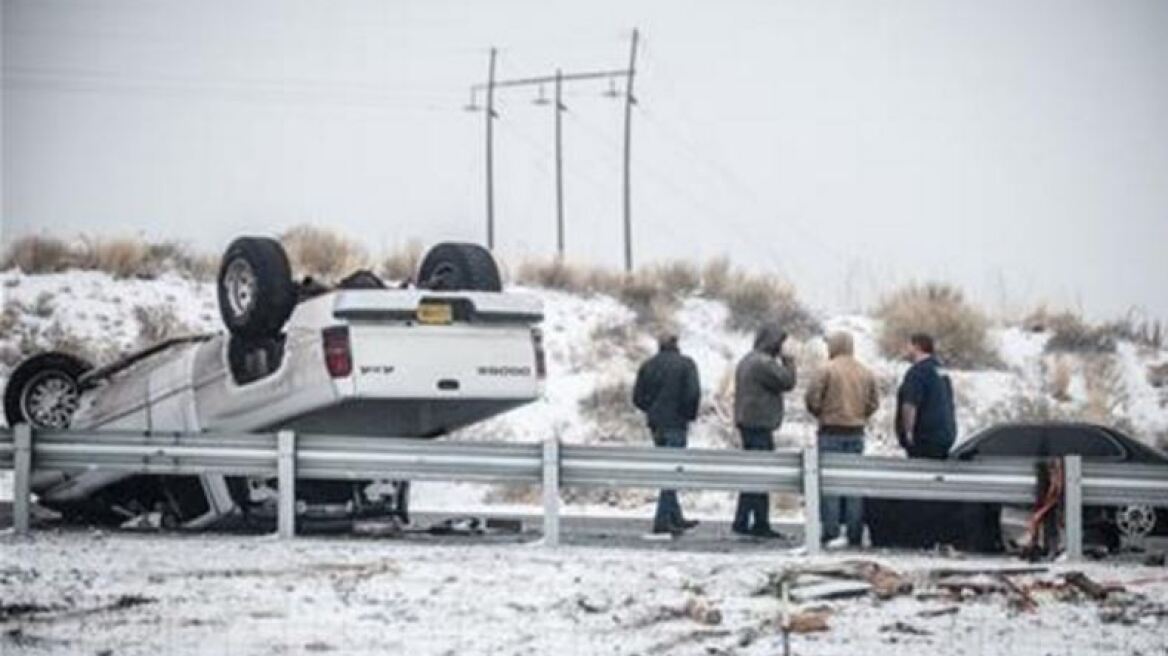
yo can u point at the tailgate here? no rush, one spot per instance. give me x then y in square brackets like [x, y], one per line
[473, 361]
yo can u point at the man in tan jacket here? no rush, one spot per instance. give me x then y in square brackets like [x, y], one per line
[842, 396]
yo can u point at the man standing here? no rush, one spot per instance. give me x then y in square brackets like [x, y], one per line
[759, 384]
[925, 422]
[668, 391]
[842, 397]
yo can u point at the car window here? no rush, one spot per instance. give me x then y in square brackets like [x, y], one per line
[1014, 441]
[1083, 440]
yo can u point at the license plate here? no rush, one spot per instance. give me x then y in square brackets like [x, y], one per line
[435, 313]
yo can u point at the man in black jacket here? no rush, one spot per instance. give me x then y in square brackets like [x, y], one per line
[925, 423]
[668, 391]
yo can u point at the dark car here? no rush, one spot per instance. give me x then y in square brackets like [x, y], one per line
[977, 526]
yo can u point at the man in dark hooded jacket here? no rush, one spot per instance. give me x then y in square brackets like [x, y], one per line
[668, 391]
[760, 381]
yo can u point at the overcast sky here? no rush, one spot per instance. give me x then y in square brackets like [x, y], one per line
[1017, 149]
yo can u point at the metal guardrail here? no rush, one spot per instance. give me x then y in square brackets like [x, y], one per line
[1007, 481]
[702, 469]
[289, 457]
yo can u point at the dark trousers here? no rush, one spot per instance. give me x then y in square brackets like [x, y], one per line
[754, 505]
[668, 514]
[849, 510]
[926, 448]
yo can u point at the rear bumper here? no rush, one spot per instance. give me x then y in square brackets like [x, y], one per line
[380, 417]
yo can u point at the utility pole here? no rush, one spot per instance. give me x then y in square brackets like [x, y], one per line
[492, 85]
[628, 190]
[490, 116]
[559, 164]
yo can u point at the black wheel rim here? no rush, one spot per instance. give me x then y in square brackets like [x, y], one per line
[49, 400]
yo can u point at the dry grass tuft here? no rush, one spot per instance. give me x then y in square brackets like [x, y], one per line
[1158, 375]
[960, 330]
[553, 273]
[402, 264]
[678, 277]
[756, 300]
[609, 407]
[157, 323]
[1137, 330]
[717, 277]
[121, 257]
[36, 254]
[323, 253]
[1060, 379]
[1071, 334]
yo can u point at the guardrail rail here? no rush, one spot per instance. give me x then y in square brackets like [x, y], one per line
[288, 457]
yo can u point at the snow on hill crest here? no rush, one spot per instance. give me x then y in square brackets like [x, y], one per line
[594, 346]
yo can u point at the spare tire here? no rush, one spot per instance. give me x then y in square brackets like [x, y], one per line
[256, 291]
[43, 391]
[457, 266]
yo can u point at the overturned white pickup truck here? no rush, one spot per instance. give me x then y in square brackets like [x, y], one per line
[356, 359]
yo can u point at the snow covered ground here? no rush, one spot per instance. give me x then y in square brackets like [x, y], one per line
[93, 593]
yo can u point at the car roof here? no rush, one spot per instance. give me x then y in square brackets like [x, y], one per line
[1140, 450]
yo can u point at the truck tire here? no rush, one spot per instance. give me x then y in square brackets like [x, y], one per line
[453, 266]
[43, 391]
[256, 291]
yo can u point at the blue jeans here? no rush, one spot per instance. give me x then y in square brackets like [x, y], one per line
[754, 505]
[848, 509]
[668, 514]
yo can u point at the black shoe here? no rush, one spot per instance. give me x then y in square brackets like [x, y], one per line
[744, 532]
[687, 524]
[769, 533]
[675, 531]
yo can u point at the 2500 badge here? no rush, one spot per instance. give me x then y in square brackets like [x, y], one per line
[505, 371]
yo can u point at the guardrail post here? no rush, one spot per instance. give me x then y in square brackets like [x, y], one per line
[811, 526]
[286, 479]
[22, 478]
[551, 492]
[1073, 505]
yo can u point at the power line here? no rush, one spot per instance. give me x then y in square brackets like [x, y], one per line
[492, 85]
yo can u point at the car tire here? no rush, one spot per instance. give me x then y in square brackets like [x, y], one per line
[457, 266]
[256, 291]
[44, 392]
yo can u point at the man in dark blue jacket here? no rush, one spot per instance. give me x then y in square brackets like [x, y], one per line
[668, 392]
[926, 425]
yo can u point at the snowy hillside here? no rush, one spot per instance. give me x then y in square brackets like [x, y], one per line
[594, 345]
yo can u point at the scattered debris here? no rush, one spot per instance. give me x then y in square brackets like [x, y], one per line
[851, 578]
[698, 609]
[904, 627]
[38, 613]
[589, 606]
[459, 526]
[938, 612]
[10, 611]
[972, 586]
[1089, 587]
[808, 621]
[1010, 570]
[829, 590]
[1021, 598]
[686, 638]
[701, 611]
[886, 582]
